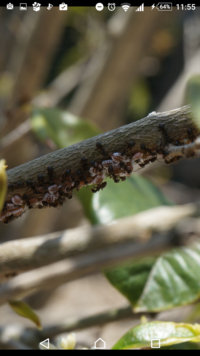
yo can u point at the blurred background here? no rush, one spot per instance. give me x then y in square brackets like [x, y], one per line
[68, 75]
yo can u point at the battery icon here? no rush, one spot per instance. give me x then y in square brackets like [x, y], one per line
[164, 6]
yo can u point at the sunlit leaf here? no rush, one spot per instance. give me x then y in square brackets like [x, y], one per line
[23, 309]
[61, 127]
[183, 346]
[3, 183]
[85, 196]
[130, 279]
[168, 333]
[173, 281]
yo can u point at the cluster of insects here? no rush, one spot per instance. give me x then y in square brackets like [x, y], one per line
[52, 191]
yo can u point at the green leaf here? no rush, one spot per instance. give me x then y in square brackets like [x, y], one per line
[130, 279]
[193, 97]
[168, 333]
[173, 281]
[3, 183]
[130, 197]
[23, 309]
[183, 346]
[85, 196]
[125, 198]
[54, 126]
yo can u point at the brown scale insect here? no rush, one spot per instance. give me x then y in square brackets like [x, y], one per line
[117, 157]
[177, 143]
[50, 172]
[40, 178]
[12, 212]
[131, 144]
[173, 160]
[67, 173]
[11, 186]
[95, 190]
[25, 197]
[165, 153]
[84, 162]
[143, 148]
[50, 198]
[32, 202]
[153, 159]
[78, 172]
[100, 186]
[128, 148]
[61, 200]
[191, 134]
[167, 138]
[31, 185]
[42, 189]
[93, 171]
[116, 179]
[98, 179]
[137, 156]
[20, 185]
[54, 188]
[17, 200]
[110, 170]
[100, 147]
[128, 168]
[107, 163]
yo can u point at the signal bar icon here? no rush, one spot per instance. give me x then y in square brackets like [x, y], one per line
[140, 8]
[125, 6]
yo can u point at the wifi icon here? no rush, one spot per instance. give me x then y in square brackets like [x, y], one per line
[125, 6]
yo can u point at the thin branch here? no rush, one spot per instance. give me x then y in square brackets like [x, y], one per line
[144, 136]
[14, 345]
[58, 273]
[27, 254]
[33, 337]
[144, 131]
[189, 150]
[98, 319]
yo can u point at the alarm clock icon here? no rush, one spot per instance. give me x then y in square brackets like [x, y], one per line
[111, 7]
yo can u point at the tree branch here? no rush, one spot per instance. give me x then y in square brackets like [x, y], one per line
[149, 136]
[98, 319]
[54, 275]
[33, 337]
[27, 254]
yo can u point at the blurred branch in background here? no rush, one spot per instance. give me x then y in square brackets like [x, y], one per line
[37, 53]
[60, 86]
[26, 254]
[28, 55]
[175, 96]
[153, 230]
[33, 337]
[103, 97]
[71, 269]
